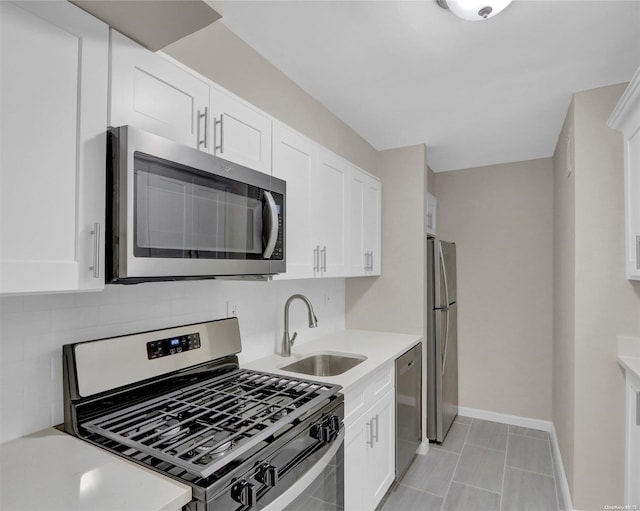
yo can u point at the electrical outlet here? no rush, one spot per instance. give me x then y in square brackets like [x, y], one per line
[232, 309]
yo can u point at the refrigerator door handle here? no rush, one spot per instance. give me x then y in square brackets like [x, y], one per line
[444, 273]
[446, 341]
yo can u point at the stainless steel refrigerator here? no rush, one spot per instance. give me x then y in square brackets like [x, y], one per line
[442, 338]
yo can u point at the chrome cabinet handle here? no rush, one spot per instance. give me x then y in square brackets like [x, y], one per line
[316, 259]
[371, 261]
[219, 130]
[96, 250]
[429, 220]
[370, 435]
[204, 116]
[638, 252]
[324, 258]
[366, 261]
[377, 419]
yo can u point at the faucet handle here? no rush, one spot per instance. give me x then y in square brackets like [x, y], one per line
[293, 338]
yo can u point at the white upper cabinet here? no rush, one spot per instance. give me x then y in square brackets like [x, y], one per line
[365, 208]
[333, 210]
[157, 94]
[330, 219]
[295, 160]
[626, 118]
[240, 133]
[153, 94]
[53, 101]
[432, 210]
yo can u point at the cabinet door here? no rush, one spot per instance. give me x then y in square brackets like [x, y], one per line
[330, 214]
[357, 444]
[632, 488]
[295, 160]
[52, 130]
[153, 94]
[431, 207]
[632, 173]
[373, 225]
[358, 223]
[240, 134]
[382, 460]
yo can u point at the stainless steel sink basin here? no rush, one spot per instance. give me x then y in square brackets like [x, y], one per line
[325, 364]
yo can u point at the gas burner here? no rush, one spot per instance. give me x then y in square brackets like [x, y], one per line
[170, 428]
[213, 447]
[278, 407]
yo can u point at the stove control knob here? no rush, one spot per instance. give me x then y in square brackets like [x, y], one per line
[244, 493]
[322, 431]
[267, 474]
[336, 424]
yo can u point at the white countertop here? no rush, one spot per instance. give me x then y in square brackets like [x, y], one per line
[51, 470]
[629, 354]
[379, 348]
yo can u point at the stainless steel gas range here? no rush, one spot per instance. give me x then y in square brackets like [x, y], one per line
[176, 401]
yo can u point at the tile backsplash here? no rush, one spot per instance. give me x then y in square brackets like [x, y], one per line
[34, 328]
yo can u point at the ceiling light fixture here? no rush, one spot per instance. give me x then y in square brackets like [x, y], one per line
[474, 10]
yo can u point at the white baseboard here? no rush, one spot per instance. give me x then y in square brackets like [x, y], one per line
[526, 422]
[562, 476]
[423, 448]
[513, 420]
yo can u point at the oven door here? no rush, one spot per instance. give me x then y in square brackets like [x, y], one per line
[304, 473]
[179, 212]
[320, 487]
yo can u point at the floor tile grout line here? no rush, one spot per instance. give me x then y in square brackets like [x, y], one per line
[485, 447]
[476, 487]
[554, 470]
[530, 471]
[529, 436]
[421, 491]
[456, 467]
[504, 471]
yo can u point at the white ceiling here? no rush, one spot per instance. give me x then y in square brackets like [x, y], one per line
[476, 93]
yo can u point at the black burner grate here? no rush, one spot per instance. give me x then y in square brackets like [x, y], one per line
[202, 427]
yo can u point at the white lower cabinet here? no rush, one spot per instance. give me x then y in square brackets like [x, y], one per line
[632, 472]
[53, 99]
[369, 452]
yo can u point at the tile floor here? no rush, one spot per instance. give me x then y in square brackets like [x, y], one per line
[481, 466]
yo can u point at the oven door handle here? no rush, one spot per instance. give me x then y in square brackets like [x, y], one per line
[298, 488]
[272, 223]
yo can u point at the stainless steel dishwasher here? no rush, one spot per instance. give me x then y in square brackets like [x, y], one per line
[408, 407]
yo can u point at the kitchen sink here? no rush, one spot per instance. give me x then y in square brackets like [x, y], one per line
[324, 364]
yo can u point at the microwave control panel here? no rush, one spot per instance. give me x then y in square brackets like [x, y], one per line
[172, 345]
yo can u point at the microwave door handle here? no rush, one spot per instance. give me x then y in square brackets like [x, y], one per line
[273, 225]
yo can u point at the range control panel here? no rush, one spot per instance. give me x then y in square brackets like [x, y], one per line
[172, 345]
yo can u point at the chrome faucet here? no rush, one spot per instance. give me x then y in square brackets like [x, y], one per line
[287, 341]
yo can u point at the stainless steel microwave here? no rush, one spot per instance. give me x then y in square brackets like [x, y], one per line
[176, 213]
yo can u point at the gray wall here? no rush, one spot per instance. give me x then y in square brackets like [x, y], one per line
[606, 303]
[501, 220]
[564, 316]
[395, 302]
[223, 57]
